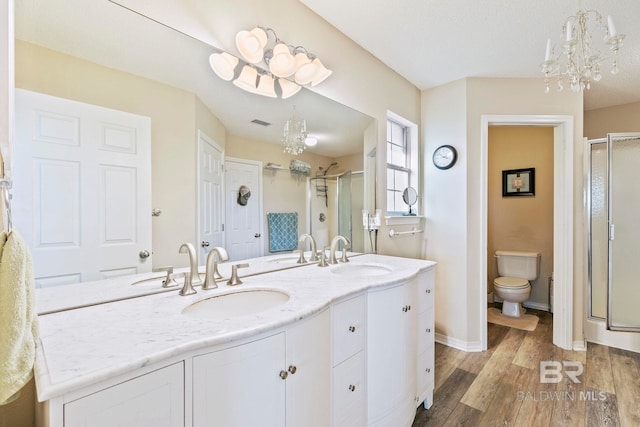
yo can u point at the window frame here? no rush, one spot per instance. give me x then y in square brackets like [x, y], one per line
[410, 136]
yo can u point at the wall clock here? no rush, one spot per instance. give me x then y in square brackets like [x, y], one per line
[445, 157]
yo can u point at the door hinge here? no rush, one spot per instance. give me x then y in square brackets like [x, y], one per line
[612, 231]
[222, 227]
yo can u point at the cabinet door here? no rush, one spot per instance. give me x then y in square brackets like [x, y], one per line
[152, 400]
[309, 367]
[240, 386]
[391, 350]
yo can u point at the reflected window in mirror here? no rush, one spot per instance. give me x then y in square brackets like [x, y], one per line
[402, 161]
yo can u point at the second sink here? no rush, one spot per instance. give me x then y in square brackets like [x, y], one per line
[240, 303]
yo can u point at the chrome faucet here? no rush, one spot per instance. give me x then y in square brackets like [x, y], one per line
[235, 280]
[334, 246]
[211, 267]
[189, 281]
[168, 280]
[314, 254]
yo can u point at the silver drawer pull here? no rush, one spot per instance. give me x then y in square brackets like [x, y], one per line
[428, 370]
[352, 328]
[352, 387]
[284, 375]
[428, 291]
[428, 330]
[292, 369]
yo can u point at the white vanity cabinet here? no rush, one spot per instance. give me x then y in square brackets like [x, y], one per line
[392, 314]
[348, 332]
[283, 379]
[154, 399]
[426, 333]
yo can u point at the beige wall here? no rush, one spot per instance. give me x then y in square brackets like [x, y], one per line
[621, 118]
[451, 114]
[522, 223]
[173, 135]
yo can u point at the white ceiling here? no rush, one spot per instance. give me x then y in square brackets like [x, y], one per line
[110, 35]
[432, 42]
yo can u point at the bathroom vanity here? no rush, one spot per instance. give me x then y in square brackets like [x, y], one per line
[346, 345]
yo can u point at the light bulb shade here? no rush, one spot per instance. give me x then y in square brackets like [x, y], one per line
[266, 86]
[251, 44]
[282, 63]
[223, 64]
[306, 73]
[322, 73]
[247, 79]
[289, 88]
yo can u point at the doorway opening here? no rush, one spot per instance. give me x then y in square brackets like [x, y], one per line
[563, 130]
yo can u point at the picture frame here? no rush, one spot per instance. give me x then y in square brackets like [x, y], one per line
[518, 182]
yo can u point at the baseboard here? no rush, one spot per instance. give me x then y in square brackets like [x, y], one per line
[467, 346]
[580, 345]
[536, 305]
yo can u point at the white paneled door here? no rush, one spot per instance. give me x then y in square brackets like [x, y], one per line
[82, 189]
[210, 200]
[244, 222]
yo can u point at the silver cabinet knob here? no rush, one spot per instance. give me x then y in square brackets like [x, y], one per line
[257, 235]
[352, 328]
[292, 369]
[428, 330]
[144, 254]
[204, 244]
[428, 370]
[352, 387]
[284, 374]
[428, 291]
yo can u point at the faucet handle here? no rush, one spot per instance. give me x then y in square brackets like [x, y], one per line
[235, 280]
[168, 281]
[323, 258]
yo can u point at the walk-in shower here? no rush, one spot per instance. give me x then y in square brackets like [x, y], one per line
[613, 207]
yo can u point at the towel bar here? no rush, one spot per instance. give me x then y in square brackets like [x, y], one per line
[5, 186]
[393, 232]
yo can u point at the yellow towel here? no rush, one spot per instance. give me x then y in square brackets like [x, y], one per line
[18, 322]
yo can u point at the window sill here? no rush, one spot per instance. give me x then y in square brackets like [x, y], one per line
[402, 220]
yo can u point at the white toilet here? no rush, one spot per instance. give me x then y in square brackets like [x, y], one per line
[515, 270]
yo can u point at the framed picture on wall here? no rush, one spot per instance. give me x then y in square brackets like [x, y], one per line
[518, 182]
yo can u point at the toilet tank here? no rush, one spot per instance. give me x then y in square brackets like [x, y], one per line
[523, 265]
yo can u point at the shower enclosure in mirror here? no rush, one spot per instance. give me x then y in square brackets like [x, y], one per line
[614, 236]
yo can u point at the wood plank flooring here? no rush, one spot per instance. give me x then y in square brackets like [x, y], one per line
[503, 387]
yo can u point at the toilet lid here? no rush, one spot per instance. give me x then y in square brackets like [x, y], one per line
[511, 282]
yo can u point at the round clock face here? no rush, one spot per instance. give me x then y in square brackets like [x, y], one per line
[444, 157]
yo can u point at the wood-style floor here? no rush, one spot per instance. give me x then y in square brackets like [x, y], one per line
[502, 387]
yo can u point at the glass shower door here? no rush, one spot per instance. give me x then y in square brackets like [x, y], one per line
[344, 206]
[623, 311]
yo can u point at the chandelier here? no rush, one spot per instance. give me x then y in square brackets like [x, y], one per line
[582, 57]
[294, 135]
[268, 59]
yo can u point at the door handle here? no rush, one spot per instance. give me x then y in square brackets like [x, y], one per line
[144, 254]
[257, 235]
[204, 244]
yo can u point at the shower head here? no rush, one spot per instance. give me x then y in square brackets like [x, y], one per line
[329, 167]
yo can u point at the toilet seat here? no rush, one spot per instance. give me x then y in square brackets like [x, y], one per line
[511, 282]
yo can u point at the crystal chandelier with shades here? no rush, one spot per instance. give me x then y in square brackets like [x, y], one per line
[266, 60]
[582, 58]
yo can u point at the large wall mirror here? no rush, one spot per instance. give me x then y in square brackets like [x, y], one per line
[107, 56]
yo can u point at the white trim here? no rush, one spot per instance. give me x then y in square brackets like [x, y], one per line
[402, 220]
[580, 345]
[470, 347]
[536, 305]
[562, 219]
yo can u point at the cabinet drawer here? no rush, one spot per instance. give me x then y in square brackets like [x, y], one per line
[426, 289]
[426, 369]
[349, 404]
[348, 321]
[425, 330]
[153, 399]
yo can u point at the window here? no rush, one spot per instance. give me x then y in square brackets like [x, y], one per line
[402, 158]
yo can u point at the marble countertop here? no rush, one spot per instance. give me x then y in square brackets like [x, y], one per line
[83, 346]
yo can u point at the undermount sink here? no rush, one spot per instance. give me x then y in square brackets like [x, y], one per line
[357, 269]
[240, 303]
